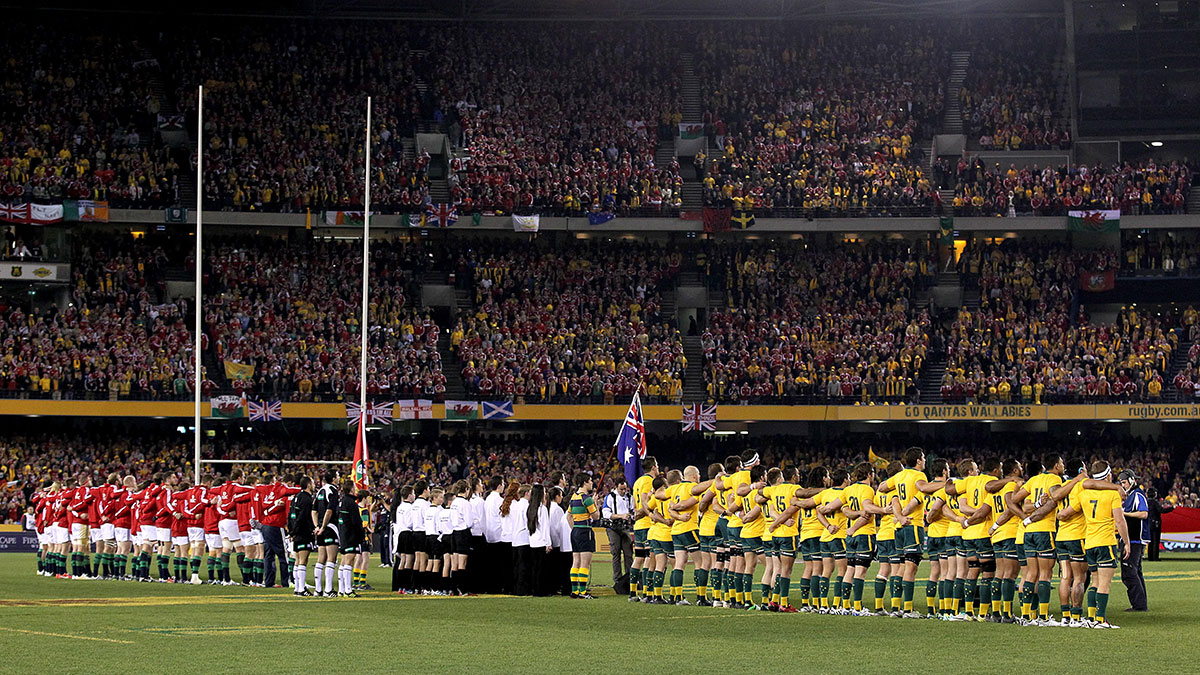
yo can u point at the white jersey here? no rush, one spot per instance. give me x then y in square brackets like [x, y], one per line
[417, 515]
[492, 521]
[431, 514]
[477, 517]
[445, 520]
[462, 514]
[403, 517]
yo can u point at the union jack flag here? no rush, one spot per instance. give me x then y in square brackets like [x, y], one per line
[14, 213]
[265, 411]
[441, 215]
[631, 443]
[698, 417]
[376, 413]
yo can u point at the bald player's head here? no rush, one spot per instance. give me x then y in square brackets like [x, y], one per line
[691, 474]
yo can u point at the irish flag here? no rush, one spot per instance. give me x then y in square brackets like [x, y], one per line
[1094, 221]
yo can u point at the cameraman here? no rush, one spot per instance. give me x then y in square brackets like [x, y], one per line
[617, 509]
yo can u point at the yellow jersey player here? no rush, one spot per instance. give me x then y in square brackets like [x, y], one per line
[937, 527]
[889, 579]
[660, 541]
[774, 477]
[1039, 536]
[711, 511]
[957, 574]
[981, 563]
[1003, 533]
[1104, 519]
[908, 512]
[861, 510]
[641, 527]
[685, 510]
[753, 524]
[785, 530]
[737, 477]
[833, 543]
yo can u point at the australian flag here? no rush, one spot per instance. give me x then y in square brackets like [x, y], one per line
[631, 443]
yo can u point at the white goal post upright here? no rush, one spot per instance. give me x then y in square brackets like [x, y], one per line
[362, 327]
[196, 303]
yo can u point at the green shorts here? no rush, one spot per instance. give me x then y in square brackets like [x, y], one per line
[909, 540]
[810, 548]
[785, 547]
[1071, 549]
[1005, 548]
[641, 542]
[708, 543]
[686, 541]
[1101, 557]
[934, 546]
[860, 548]
[769, 549]
[752, 545]
[834, 548]
[886, 550]
[980, 548]
[722, 533]
[1039, 545]
[657, 547]
[954, 547]
[733, 537]
[1021, 553]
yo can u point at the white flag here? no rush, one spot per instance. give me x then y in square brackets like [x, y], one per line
[41, 214]
[526, 223]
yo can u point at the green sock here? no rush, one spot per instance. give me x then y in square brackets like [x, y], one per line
[815, 588]
[931, 593]
[1008, 592]
[837, 588]
[858, 589]
[1091, 597]
[1101, 606]
[880, 589]
[1043, 595]
[805, 588]
[909, 589]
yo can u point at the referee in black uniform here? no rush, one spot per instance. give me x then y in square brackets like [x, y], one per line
[351, 537]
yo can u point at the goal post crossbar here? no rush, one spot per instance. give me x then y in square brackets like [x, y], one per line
[274, 461]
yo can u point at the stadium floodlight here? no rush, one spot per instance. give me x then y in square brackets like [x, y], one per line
[1157, 144]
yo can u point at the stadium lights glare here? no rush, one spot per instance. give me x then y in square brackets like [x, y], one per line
[875, 421]
[932, 421]
[724, 433]
[1157, 144]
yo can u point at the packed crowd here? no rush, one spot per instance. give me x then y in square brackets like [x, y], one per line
[1009, 100]
[1031, 342]
[292, 311]
[284, 114]
[802, 325]
[561, 126]
[820, 122]
[582, 323]
[78, 107]
[119, 336]
[1138, 188]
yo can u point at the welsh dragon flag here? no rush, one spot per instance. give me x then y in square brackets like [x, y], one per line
[1094, 221]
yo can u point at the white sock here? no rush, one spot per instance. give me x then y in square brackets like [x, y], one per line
[299, 574]
[319, 578]
[330, 568]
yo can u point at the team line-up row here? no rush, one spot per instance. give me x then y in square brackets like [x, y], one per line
[989, 534]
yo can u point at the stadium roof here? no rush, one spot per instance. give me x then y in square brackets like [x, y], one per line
[574, 9]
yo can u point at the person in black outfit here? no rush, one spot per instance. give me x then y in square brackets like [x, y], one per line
[352, 536]
[300, 528]
[1157, 508]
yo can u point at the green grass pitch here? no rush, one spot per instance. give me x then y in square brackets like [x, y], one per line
[51, 625]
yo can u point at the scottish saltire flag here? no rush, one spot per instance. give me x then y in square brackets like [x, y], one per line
[631, 442]
[441, 215]
[265, 411]
[497, 410]
[699, 417]
[600, 217]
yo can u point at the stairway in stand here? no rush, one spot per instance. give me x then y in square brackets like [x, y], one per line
[693, 379]
[451, 368]
[693, 110]
[931, 378]
[952, 121]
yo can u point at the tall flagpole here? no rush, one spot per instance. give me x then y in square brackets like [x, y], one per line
[362, 380]
[199, 219]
